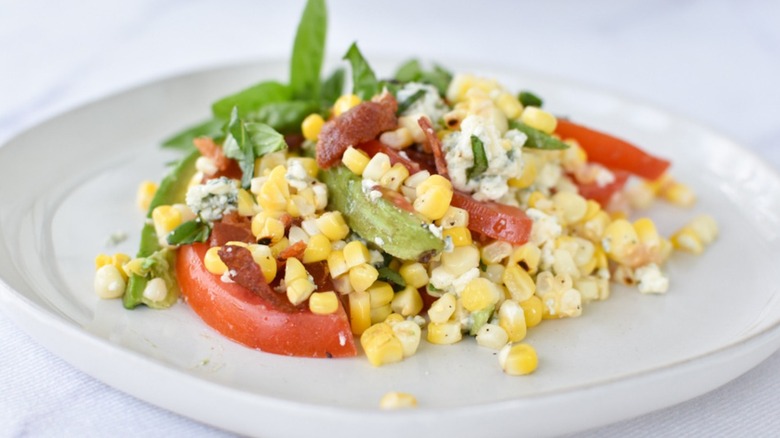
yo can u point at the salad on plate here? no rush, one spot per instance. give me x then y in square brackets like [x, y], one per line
[427, 207]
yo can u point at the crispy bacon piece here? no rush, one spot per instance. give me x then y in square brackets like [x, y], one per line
[232, 228]
[295, 250]
[362, 123]
[209, 149]
[435, 144]
[243, 270]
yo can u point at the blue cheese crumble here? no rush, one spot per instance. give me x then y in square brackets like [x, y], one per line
[213, 199]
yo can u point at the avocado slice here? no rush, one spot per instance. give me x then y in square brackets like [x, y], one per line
[397, 232]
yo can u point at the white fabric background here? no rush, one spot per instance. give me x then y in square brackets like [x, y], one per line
[716, 62]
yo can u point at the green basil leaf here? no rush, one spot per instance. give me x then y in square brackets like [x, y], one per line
[409, 71]
[239, 148]
[439, 77]
[333, 87]
[364, 82]
[189, 232]
[251, 99]
[403, 106]
[528, 98]
[390, 276]
[264, 139]
[285, 117]
[480, 158]
[183, 140]
[309, 51]
[537, 139]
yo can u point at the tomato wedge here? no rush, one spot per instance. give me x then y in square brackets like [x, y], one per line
[602, 194]
[613, 152]
[248, 319]
[499, 221]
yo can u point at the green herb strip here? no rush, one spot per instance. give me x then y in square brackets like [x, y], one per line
[537, 139]
[189, 232]
[406, 104]
[528, 98]
[480, 158]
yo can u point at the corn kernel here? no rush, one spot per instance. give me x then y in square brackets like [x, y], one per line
[165, 219]
[442, 309]
[119, 260]
[356, 253]
[398, 139]
[687, 240]
[535, 198]
[539, 119]
[496, 251]
[156, 290]
[527, 257]
[355, 160]
[381, 345]
[333, 226]
[444, 333]
[345, 103]
[264, 258]
[381, 294]
[620, 240]
[294, 270]
[493, 272]
[679, 194]
[361, 277]
[275, 192]
[460, 259]
[518, 282]
[323, 303]
[454, 217]
[109, 282]
[317, 250]
[397, 400]
[479, 294]
[518, 360]
[145, 194]
[311, 126]
[532, 310]
[571, 206]
[380, 314]
[647, 233]
[359, 312]
[299, 290]
[213, 263]
[529, 173]
[267, 228]
[393, 178]
[407, 302]
[461, 236]
[511, 107]
[409, 333]
[705, 227]
[337, 264]
[431, 182]
[511, 318]
[280, 246]
[492, 336]
[414, 274]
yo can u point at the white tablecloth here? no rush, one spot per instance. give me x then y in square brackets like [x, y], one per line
[716, 62]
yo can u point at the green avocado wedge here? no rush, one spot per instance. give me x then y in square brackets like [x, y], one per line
[397, 232]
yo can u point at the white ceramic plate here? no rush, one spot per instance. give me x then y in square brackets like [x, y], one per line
[68, 184]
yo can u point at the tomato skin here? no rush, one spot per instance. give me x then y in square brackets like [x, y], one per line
[602, 194]
[248, 319]
[498, 221]
[613, 152]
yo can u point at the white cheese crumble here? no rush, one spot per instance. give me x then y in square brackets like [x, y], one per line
[368, 186]
[429, 104]
[651, 279]
[213, 199]
[296, 175]
[545, 227]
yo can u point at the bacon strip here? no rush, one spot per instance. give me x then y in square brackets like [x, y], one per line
[244, 271]
[232, 228]
[362, 123]
[295, 250]
[209, 149]
[435, 144]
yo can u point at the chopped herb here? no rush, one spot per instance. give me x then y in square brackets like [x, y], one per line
[482, 266]
[537, 139]
[403, 106]
[480, 318]
[528, 98]
[189, 232]
[387, 274]
[433, 288]
[480, 158]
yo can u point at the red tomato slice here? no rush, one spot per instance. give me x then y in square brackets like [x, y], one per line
[613, 152]
[602, 194]
[499, 221]
[248, 319]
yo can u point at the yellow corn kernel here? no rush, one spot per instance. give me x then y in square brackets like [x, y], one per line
[461, 236]
[379, 314]
[356, 253]
[311, 126]
[246, 203]
[145, 194]
[119, 260]
[458, 87]
[705, 227]
[337, 264]
[431, 182]
[345, 103]
[294, 270]
[620, 241]
[479, 293]
[407, 302]
[359, 311]
[323, 303]
[496, 251]
[460, 259]
[678, 194]
[381, 294]
[275, 192]
[647, 233]
[361, 277]
[280, 246]
[685, 239]
[381, 345]
[109, 281]
[267, 229]
[333, 226]
[409, 333]
[518, 360]
[165, 219]
[213, 263]
[377, 166]
[571, 206]
[534, 199]
[442, 309]
[492, 336]
[355, 160]
[397, 139]
[454, 217]
[529, 173]
[308, 163]
[564, 303]
[511, 318]
[268, 162]
[593, 208]
[414, 274]
[264, 258]
[394, 318]
[317, 250]
[393, 178]
[532, 310]
[539, 119]
[444, 333]
[509, 104]
[518, 282]
[527, 257]
[665, 250]
[299, 206]
[299, 290]
[493, 272]
[397, 400]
